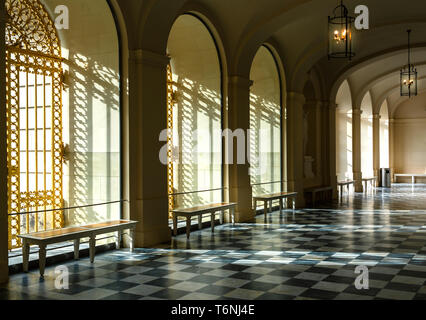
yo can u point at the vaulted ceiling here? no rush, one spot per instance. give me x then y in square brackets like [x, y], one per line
[298, 29]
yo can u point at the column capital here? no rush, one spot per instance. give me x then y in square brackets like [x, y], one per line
[315, 103]
[140, 56]
[240, 81]
[377, 116]
[331, 105]
[357, 112]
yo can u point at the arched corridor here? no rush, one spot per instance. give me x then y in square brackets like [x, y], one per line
[206, 149]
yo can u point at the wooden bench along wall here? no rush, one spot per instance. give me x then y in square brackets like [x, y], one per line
[268, 198]
[212, 209]
[366, 181]
[413, 176]
[346, 184]
[42, 239]
[313, 192]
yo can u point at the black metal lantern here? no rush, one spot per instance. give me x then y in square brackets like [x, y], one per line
[408, 76]
[340, 33]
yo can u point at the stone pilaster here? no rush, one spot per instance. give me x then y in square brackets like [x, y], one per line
[147, 183]
[392, 148]
[295, 102]
[376, 145]
[238, 118]
[356, 149]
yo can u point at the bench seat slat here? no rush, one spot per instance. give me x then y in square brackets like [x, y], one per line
[275, 196]
[53, 233]
[204, 208]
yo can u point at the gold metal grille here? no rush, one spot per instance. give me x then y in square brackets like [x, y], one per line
[170, 104]
[34, 119]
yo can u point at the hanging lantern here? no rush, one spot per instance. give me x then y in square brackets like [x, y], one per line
[409, 75]
[340, 33]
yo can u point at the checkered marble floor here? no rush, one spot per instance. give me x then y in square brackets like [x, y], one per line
[308, 254]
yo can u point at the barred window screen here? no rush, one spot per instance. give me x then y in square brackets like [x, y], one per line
[34, 119]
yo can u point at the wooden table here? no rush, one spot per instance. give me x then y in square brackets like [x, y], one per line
[268, 198]
[44, 238]
[188, 213]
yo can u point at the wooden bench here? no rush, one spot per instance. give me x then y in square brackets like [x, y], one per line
[412, 175]
[44, 238]
[342, 184]
[316, 190]
[188, 213]
[368, 180]
[268, 198]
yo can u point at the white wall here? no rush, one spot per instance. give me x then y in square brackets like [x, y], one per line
[410, 136]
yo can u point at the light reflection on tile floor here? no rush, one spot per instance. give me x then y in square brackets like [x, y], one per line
[309, 255]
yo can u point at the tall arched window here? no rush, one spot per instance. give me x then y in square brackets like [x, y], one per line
[367, 137]
[265, 123]
[344, 133]
[194, 115]
[34, 119]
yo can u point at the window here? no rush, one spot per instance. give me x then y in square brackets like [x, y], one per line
[34, 119]
[265, 124]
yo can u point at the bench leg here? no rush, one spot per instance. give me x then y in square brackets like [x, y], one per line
[222, 214]
[92, 248]
[313, 199]
[270, 206]
[118, 240]
[174, 224]
[132, 239]
[294, 203]
[212, 220]
[232, 213]
[76, 249]
[413, 180]
[188, 226]
[281, 205]
[265, 209]
[25, 255]
[200, 222]
[42, 259]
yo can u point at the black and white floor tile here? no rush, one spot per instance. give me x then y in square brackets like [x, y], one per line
[302, 255]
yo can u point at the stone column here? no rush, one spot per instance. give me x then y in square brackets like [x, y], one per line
[4, 269]
[146, 179]
[332, 148]
[295, 102]
[238, 118]
[392, 148]
[376, 146]
[356, 149]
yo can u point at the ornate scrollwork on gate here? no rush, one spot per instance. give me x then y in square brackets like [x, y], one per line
[33, 90]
